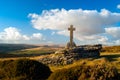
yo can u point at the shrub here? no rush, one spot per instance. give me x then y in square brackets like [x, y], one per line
[24, 69]
[96, 71]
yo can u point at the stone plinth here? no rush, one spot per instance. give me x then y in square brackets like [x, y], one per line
[68, 56]
[72, 46]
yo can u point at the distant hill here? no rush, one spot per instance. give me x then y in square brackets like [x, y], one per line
[26, 50]
[5, 48]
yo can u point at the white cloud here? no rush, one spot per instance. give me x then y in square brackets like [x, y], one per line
[103, 39]
[63, 32]
[117, 42]
[37, 36]
[33, 15]
[89, 24]
[114, 31]
[118, 6]
[86, 21]
[13, 35]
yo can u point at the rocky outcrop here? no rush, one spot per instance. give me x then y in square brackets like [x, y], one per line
[68, 56]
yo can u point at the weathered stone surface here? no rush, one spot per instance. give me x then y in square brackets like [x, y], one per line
[68, 56]
[68, 45]
[71, 44]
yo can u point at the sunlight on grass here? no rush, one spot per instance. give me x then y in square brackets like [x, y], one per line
[85, 69]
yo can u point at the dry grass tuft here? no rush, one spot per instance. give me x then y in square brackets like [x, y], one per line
[90, 69]
[23, 69]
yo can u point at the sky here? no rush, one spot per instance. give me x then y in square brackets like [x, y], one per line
[47, 21]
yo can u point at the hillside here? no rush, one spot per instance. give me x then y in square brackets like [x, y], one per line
[108, 63]
[25, 50]
[6, 48]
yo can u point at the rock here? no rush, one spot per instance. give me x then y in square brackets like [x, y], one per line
[62, 51]
[67, 56]
[69, 45]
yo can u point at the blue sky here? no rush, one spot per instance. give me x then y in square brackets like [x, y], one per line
[46, 21]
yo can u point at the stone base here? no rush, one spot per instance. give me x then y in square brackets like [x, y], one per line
[68, 56]
[70, 46]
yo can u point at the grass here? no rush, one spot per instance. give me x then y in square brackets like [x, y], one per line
[32, 52]
[114, 58]
[111, 49]
[23, 69]
[39, 50]
[110, 54]
[81, 61]
[86, 69]
[7, 48]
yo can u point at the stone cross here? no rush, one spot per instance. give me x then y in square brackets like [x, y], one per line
[71, 29]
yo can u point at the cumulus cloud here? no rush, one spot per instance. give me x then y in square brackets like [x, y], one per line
[13, 35]
[117, 42]
[88, 23]
[118, 6]
[114, 31]
[37, 36]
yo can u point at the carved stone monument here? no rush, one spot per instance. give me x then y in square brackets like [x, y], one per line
[71, 44]
[72, 52]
